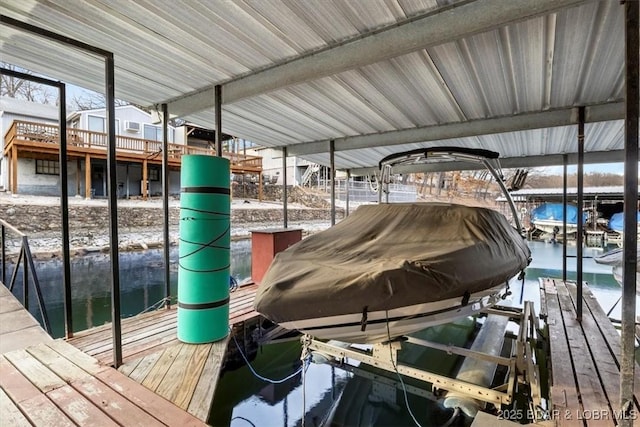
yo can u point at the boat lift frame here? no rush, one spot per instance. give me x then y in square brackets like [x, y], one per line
[522, 366]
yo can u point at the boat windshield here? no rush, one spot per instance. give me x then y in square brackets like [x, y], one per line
[423, 160]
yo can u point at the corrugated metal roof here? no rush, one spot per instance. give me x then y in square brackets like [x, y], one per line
[486, 63]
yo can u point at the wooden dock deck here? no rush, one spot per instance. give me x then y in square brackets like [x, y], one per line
[584, 359]
[184, 374]
[55, 384]
[18, 328]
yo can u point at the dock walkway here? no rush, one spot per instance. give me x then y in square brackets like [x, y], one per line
[584, 359]
[47, 382]
[184, 374]
[18, 328]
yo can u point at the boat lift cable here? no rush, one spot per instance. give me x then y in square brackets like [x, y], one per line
[395, 367]
[243, 419]
[155, 305]
[302, 369]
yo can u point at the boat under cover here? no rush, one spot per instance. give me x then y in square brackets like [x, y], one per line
[616, 223]
[548, 216]
[392, 269]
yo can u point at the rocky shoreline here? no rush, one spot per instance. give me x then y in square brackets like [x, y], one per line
[140, 223]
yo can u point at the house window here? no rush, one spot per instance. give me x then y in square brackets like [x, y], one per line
[99, 124]
[47, 167]
[96, 124]
[154, 133]
[154, 174]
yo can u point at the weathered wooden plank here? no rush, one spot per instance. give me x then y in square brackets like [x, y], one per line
[144, 366]
[608, 370]
[31, 401]
[36, 372]
[564, 390]
[191, 376]
[16, 321]
[78, 358]
[11, 415]
[131, 337]
[543, 302]
[594, 399]
[244, 290]
[244, 317]
[159, 370]
[103, 333]
[144, 398]
[60, 365]
[240, 305]
[169, 385]
[23, 338]
[133, 350]
[79, 409]
[114, 404]
[9, 303]
[127, 367]
[609, 333]
[203, 395]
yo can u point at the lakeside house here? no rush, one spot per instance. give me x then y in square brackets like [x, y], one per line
[29, 161]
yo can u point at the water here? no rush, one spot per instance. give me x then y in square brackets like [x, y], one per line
[141, 284]
[330, 396]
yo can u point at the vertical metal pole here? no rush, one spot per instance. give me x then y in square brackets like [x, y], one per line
[64, 210]
[627, 366]
[165, 202]
[3, 235]
[112, 181]
[332, 165]
[579, 233]
[565, 160]
[346, 212]
[285, 218]
[25, 275]
[218, 108]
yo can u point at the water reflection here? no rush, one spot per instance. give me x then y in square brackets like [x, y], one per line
[332, 396]
[141, 284]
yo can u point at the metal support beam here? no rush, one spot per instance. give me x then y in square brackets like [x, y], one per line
[332, 166]
[346, 196]
[512, 123]
[285, 218]
[165, 203]
[64, 211]
[112, 190]
[580, 230]
[632, 96]
[564, 216]
[435, 28]
[218, 112]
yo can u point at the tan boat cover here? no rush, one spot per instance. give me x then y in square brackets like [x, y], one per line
[392, 255]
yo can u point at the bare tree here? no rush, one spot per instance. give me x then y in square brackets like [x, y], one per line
[92, 100]
[14, 87]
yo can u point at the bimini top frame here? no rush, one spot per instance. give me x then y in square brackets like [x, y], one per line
[426, 156]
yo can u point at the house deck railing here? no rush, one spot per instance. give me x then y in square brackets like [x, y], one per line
[42, 133]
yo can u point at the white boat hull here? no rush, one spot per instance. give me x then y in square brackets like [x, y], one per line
[547, 226]
[400, 321]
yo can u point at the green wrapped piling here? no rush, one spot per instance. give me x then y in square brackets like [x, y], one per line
[203, 275]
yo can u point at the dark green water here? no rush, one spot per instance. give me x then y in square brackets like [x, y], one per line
[330, 396]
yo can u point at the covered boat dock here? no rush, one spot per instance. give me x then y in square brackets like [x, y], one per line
[542, 82]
